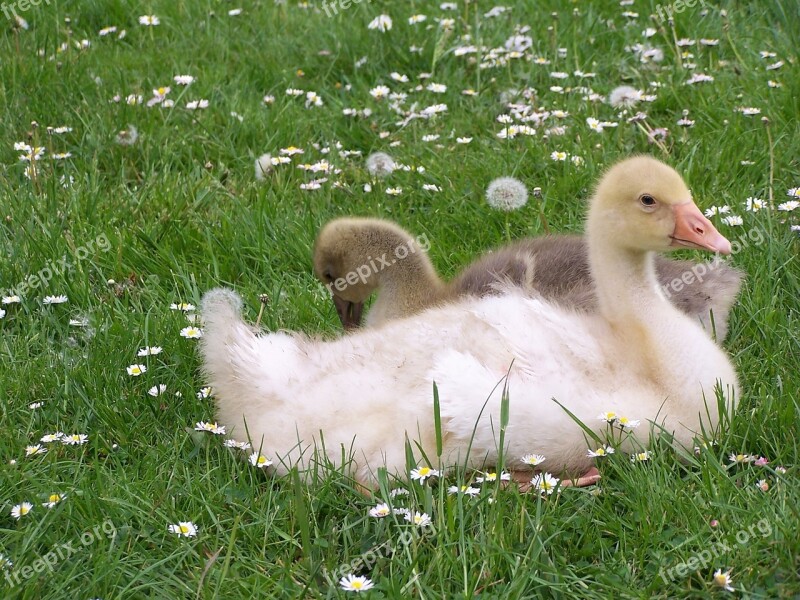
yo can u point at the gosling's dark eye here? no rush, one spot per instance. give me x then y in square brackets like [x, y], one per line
[327, 275]
[647, 200]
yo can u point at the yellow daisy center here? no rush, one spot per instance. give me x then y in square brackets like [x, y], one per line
[356, 585]
[54, 498]
[184, 529]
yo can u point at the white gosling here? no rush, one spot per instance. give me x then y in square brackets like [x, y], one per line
[363, 395]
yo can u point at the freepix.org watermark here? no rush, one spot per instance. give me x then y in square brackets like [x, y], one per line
[61, 552]
[58, 267]
[10, 8]
[666, 12]
[378, 264]
[702, 559]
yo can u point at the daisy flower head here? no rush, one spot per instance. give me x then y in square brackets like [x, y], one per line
[545, 483]
[53, 499]
[51, 437]
[5, 563]
[149, 20]
[492, 477]
[762, 485]
[533, 459]
[183, 79]
[723, 580]
[356, 583]
[506, 194]
[382, 23]
[149, 351]
[380, 511]
[191, 333]
[740, 458]
[379, 92]
[558, 156]
[419, 519]
[259, 460]
[237, 445]
[76, 439]
[600, 452]
[210, 428]
[755, 204]
[640, 456]
[467, 490]
[136, 370]
[182, 306]
[422, 473]
[789, 206]
[34, 450]
[380, 164]
[20, 510]
[11, 299]
[394, 191]
[2, 313]
[627, 423]
[54, 300]
[157, 390]
[608, 417]
[793, 192]
[183, 529]
[761, 461]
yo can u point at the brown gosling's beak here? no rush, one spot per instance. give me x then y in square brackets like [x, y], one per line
[693, 230]
[349, 312]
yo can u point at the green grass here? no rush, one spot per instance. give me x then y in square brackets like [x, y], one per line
[182, 213]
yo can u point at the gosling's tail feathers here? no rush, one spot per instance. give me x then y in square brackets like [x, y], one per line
[224, 333]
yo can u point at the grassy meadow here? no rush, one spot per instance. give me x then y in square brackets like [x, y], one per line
[127, 199]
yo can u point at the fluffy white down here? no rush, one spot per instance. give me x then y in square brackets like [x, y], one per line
[363, 394]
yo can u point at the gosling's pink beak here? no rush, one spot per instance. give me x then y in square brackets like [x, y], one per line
[693, 230]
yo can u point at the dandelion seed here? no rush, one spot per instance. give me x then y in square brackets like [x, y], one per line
[380, 164]
[624, 95]
[128, 137]
[422, 473]
[353, 583]
[183, 529]
[20, 510]
[263, 166]
[506, 194]
[723, 580]
[136, 370]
